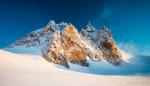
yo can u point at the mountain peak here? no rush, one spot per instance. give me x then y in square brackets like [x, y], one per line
[51, 23]
[62, 44]
[90, 28]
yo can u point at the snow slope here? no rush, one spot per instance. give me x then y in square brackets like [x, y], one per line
[136, 65]
[33, 70]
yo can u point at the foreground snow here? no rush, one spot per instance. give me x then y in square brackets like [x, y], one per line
[135, 65]
[32, 70]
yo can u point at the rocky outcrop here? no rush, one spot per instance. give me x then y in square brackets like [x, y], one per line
[102, 39]
[62, 44]
[67, 46]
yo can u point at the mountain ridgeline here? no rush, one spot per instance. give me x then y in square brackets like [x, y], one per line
[63, 44]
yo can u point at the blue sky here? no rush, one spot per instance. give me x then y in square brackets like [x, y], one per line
[128, 20]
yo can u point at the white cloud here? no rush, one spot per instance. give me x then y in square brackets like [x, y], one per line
[135, 48]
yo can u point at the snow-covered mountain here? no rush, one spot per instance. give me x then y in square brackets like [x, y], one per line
[63, 44]
[91, 55]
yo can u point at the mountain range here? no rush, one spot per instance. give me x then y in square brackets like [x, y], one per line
[62, 44]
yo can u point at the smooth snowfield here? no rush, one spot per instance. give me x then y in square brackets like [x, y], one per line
[32, 70]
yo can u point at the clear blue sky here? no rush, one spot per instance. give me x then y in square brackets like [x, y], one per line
[129, 20]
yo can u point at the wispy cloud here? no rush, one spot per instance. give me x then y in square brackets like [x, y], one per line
[134, 48]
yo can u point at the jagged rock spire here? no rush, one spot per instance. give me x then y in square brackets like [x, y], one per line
[90, 28]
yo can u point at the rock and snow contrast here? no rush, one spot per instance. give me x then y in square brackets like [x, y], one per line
[63, 44]
[58, 54]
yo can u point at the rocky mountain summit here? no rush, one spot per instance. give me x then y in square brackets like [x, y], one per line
[63, 44]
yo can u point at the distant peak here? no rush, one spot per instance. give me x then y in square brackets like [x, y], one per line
[51, 22]
[90, 27]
